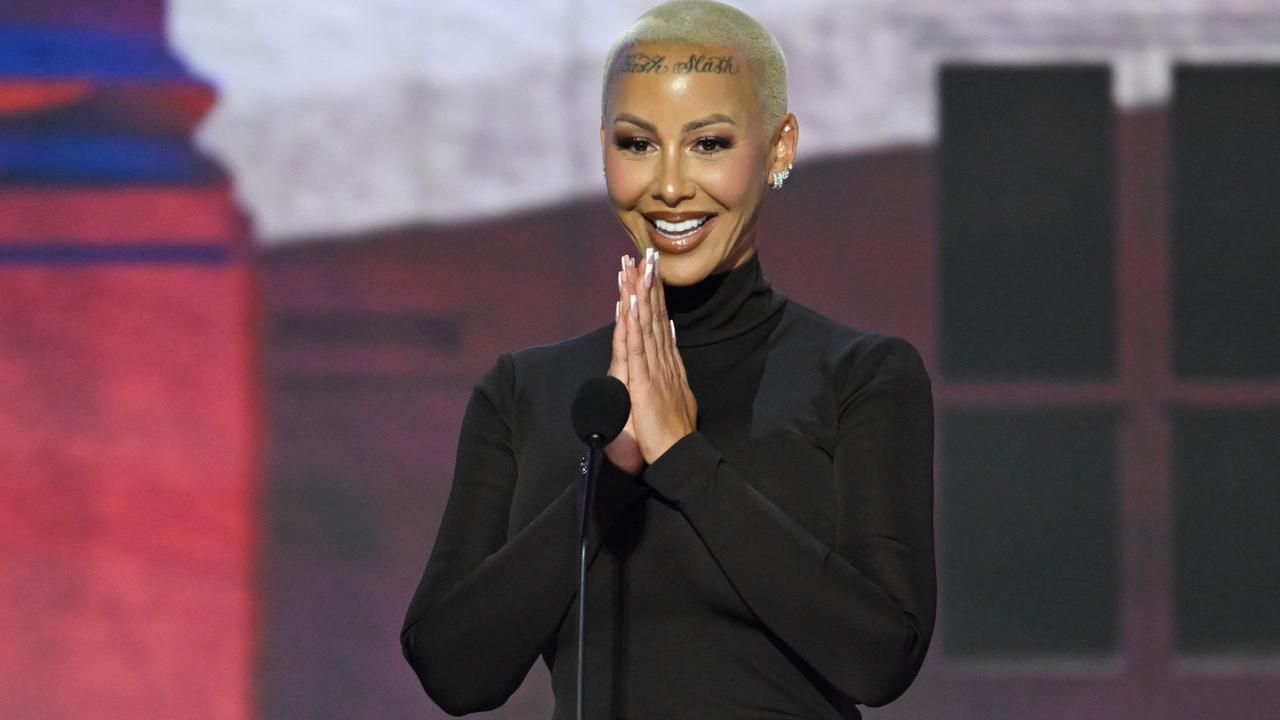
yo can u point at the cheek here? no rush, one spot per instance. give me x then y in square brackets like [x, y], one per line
[626, 183]
[732, 182]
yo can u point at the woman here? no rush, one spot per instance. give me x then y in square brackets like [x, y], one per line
[762, 535]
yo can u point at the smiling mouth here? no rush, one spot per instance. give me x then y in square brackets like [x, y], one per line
[679, 230]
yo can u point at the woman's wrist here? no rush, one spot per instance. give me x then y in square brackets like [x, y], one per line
[663, 444]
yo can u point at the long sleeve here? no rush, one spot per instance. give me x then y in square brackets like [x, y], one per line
[859, 614]
[778, 561]
[487, 605]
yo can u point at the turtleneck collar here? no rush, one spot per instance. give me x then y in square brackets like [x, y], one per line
[722, 306]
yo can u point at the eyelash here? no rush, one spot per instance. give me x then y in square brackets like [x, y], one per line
[720, 143]
[628, 144]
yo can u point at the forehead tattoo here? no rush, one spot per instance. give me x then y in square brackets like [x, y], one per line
[643, 63]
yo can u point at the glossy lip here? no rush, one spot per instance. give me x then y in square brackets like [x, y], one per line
[665, 244]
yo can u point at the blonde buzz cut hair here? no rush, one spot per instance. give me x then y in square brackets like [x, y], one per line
[705, 23]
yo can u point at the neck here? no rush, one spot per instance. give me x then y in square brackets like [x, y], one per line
[722, 305]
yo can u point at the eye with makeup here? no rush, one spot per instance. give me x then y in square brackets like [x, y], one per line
[632, 143]
[711, 144]
[708, 145]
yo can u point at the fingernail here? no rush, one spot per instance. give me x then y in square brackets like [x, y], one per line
[648, 255]
[617, 310]
[673, 330]
[656, 257]
[635, 311]
[619, 280]
[624, 263]
[648, 274]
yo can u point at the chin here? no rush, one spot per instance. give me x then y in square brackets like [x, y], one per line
[681, 270]
[679, 279]
[688, 267]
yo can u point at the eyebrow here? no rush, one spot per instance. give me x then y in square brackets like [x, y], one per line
[688, 127]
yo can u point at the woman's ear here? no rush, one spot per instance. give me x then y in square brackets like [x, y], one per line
[604, 145]
[783, 152]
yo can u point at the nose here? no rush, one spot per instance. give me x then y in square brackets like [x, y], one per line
[673, 185]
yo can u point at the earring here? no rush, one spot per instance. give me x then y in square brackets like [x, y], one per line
[776, 179]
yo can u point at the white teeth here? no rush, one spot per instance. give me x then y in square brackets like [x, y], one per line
[680, 228]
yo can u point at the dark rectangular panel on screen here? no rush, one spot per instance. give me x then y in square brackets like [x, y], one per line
[1226, 531]
[1030, 556]
[1226, 221]
[1026, 226]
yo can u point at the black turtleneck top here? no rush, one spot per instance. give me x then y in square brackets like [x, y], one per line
[775, 563]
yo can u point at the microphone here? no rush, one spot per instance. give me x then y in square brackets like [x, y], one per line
[599, 411]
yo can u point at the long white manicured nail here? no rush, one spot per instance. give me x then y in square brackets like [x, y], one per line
[619, 280]
[648, 272]
[624, 263]
[617, 310]
[656, 257]
[673, 330]
[635, 311]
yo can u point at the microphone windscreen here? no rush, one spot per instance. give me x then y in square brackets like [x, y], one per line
[600, 409]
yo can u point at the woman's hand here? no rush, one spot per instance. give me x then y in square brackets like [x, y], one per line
[624, 452]
[645, 358]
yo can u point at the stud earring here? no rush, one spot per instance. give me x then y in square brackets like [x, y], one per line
[776, 179]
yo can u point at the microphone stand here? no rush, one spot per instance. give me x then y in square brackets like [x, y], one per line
[590, 472]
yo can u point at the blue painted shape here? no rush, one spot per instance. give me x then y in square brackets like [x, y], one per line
[90, 160]
[33, 52]
[116, 254]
